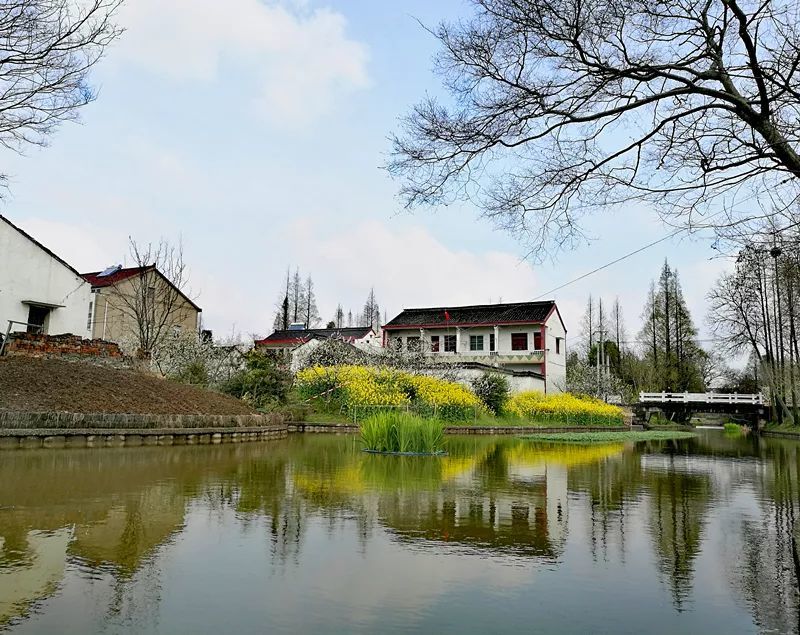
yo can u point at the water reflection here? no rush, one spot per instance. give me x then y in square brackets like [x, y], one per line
[693, 527]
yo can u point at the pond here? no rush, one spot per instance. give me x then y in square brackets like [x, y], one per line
[308, 534]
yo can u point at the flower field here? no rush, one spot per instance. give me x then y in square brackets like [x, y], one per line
[361, 388]
[580, 410]
[360, 391]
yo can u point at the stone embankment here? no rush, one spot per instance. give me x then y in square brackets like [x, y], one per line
[32, 430]
[344, 428]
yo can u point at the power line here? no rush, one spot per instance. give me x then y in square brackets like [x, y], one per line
[609, 264]
[645, 247]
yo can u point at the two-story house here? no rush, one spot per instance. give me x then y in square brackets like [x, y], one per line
[523, 339]
[125, 298]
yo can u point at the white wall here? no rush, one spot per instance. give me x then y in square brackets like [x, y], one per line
[516, 383]
[555, 363]
[27, 272]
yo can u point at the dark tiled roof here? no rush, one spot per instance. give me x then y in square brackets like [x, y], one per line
[300, 336]
[96, 280]
[41, 246]
[517, 313]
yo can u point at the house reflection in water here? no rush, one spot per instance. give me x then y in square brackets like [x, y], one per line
[512, 500]
[107, 519]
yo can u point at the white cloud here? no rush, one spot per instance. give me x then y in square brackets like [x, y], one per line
[300, 59]
[407, 266]
[84, 247]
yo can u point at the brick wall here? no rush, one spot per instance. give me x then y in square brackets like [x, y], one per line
[66, 345]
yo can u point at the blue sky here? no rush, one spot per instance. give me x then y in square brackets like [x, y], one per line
[255, 134]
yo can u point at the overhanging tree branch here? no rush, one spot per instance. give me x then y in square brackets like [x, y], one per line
[561, 107]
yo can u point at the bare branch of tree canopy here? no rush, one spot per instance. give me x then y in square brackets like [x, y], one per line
[560, 107]
[156, 300]
[47, 48]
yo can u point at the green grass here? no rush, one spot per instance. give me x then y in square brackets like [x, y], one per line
[490, 421]
[732, 428]
[606, 437]
[483, 420]
[782, 427]
[328, 417]
[402, 432]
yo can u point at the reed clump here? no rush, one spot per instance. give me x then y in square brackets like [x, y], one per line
[402, 432]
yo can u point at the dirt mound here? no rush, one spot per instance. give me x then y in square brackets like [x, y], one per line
[53, 385]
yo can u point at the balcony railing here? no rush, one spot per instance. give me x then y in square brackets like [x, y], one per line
[492, 357]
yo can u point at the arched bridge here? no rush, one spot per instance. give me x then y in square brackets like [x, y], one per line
[680, 406]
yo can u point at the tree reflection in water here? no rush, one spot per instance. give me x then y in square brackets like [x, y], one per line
[114, 513]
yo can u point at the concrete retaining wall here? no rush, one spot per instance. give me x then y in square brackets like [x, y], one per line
[64, 429]
[94, 438]
[343, 428]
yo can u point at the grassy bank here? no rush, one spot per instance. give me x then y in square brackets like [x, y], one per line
[353, 393]
[484, 420]
[783, 429]
[606, 437]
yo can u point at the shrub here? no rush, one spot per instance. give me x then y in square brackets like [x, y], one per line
[440, 399]
[402, 432]
[355, 388]
[194, 373]
[583, 410]
[492, 389]
[263, 382]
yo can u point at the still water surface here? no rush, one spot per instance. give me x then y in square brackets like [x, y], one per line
[309, 535]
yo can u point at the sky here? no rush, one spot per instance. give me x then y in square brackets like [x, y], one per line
[254, 132]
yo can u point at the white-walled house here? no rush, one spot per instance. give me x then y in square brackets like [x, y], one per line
[297, 342]
[39, 288]
[527, 341]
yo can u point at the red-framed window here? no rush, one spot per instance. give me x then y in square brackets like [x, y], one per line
[537, 341]
[519, 341]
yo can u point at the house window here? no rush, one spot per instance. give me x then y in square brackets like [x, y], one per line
[491, 342]
[413, 344]
[558, 346]
[397, 343]
[434, 343]
[37, 317]
[476, 342]
[89, 319]
[519, 341]
[537, 341]
[449, 343]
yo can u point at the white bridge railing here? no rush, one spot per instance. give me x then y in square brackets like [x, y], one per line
[701, 397]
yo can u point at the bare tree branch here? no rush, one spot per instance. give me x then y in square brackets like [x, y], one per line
[156, 301]
[47, 48]
[561, 107]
